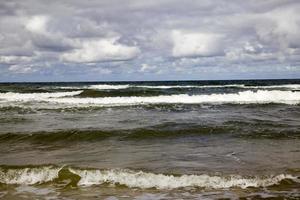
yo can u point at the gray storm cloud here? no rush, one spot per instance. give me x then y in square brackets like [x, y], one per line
[122, 37]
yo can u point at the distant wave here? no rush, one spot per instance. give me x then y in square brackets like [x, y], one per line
[132, 179]
[245, 97]
[12, 96]
[287, 86]
[108, 87]
[184, 86]
[96, 87]
[190, 86]
[118, 87]
[126, 86]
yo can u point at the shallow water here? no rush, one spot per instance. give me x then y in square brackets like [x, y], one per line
[150, 140]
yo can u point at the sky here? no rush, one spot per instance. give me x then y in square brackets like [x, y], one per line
[122, 40]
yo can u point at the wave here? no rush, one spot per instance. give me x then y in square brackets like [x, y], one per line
[119, 87]
[58, 136]
[28, 176]
[118, 93]
[246, 97]
[96, 87]
[166, 130]
[190, 86]
[132, 179]
[108, 87]
[247, 130]
[140, 179]
[126, 86]
[287, 86]
[11, 96]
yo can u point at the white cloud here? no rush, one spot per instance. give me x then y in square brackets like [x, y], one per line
[280, 28]
[100, 50]
[14, 59]
[20, 69]
[252, 33]
[100, 70]
[196, 44]
[147, 68]
[37, 24]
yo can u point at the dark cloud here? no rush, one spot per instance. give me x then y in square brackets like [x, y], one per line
[158, 38]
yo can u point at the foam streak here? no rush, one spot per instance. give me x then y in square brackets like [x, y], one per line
[247, 97]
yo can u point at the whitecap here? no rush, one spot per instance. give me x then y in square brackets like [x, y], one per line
[12, 96]
[29, 176]
[245, 97]
[142, 179]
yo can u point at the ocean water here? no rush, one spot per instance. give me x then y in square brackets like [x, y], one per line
[150, 140]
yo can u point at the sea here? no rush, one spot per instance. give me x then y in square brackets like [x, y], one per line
[150, 140]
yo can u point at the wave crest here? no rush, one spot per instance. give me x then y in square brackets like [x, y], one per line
[108, 87]
[246, 97]
[11, 96]
[134, 179]
[29, 176]
[125, 86]
[160, 181]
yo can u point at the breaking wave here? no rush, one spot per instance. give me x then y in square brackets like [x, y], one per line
[133, 179]
[28, 176]
[119, 87]
[11, 96]
[125, 86]
[108, 87]
[142, 179]
[287, 86]
[247, 97]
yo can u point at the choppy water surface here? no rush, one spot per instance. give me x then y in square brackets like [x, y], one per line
[150, 140]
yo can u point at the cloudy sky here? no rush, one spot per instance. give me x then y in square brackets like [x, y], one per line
[89, 40]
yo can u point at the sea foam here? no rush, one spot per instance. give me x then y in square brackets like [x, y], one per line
[126, 86]
[108, 87]
[142, 179]
[246, 97]
[28, 176]
[12, 96]
[136, 179]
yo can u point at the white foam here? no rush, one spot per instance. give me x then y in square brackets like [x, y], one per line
[70, 87]
[149, 180]
[67, 99]
[28, 176]
[246, 97]
[188, 86]
[11, 96]
[108, 87]
[125, 86]
[287, 86]
[117, 87]
[137, 179]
